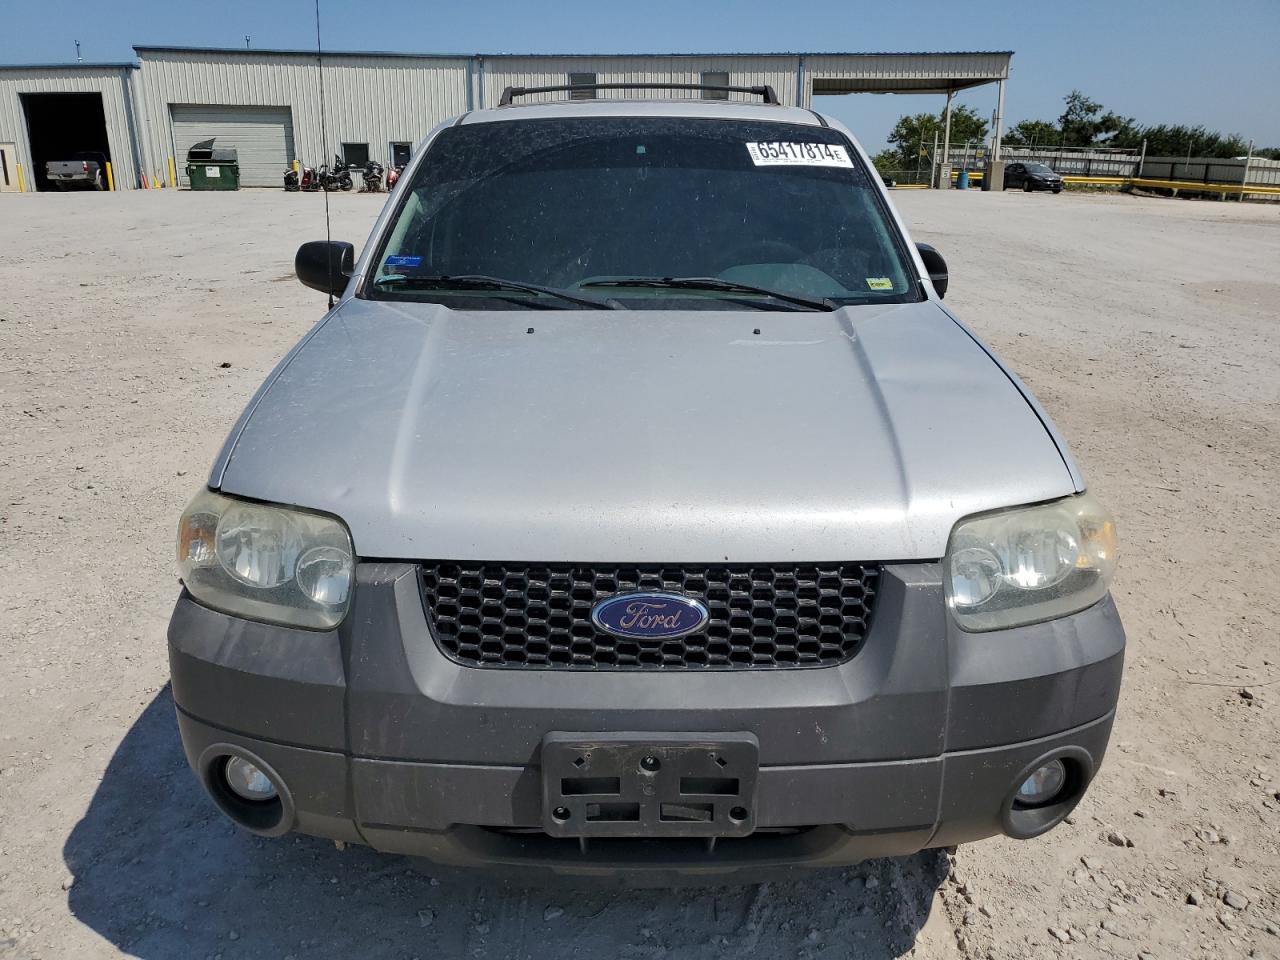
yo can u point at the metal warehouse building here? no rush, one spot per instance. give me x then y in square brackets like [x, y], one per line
[266, 103]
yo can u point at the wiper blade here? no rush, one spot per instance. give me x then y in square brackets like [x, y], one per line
[477, 281]
[712, 283]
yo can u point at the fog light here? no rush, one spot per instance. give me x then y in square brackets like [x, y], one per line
[1043, 785]
[247, 781]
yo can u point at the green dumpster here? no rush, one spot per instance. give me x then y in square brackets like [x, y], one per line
[210, 168]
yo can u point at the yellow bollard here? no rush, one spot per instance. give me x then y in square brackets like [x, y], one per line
[111, 180]
[22, 184]
[173, 178]
[155, 183]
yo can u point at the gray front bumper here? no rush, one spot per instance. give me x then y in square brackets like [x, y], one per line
[381, 739]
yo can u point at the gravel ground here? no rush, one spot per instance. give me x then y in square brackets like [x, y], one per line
[133, 328]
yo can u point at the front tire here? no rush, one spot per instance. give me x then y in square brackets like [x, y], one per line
[1026, 186]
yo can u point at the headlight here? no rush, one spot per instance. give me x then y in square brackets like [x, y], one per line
[264, 562]
[1029, 564]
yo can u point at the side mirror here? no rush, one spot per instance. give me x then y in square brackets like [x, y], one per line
[325, 265]
[933, 262]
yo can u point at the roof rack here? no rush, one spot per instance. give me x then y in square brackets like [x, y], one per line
[765, 91]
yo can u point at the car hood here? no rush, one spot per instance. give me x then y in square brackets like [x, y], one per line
[672, 436]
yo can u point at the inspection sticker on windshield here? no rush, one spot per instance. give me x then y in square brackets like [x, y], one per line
[879, 283]
[779, 153]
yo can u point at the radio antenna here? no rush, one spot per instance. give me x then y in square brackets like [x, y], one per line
[324, 148]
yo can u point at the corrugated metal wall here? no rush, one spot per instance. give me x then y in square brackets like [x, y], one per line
[113, 82]
[1262, 172]
[905, 71]
[515, 71]
[261, 136]
[368, 99]
[379, 99]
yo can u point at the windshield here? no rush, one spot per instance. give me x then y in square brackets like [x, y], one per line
[734, 211]
[1037, 168]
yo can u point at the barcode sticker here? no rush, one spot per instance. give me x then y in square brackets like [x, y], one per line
[780, 153]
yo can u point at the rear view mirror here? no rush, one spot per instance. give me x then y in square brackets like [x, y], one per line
[325, 265]
[934, 263]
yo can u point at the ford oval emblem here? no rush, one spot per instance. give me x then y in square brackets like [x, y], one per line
[649, 616]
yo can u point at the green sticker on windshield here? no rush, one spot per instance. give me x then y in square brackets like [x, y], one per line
[879, 283]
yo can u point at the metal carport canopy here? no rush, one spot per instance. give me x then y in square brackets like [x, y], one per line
[824, 85]
[943, 72]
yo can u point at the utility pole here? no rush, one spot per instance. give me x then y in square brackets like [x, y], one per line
[246, 41]
[79, 59]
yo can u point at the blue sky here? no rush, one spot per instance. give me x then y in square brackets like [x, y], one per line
[1185, 61]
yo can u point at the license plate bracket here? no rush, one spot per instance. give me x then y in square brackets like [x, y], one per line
[649, 784]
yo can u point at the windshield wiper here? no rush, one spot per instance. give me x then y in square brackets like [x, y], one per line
[712, 283]
[476, 281]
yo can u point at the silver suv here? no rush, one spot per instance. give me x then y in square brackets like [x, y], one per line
[639, 506]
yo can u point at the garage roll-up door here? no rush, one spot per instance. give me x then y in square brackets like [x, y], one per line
[262, 135]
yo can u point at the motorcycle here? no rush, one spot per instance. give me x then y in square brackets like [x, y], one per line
[393, 175]
[373, 171]
[336, 177]
[308, 183]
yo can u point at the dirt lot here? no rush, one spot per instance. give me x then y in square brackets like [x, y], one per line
[133, 327]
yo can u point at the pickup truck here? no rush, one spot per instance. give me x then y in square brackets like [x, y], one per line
[85, 169]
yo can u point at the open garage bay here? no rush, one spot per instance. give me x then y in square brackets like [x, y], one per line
[133, 329]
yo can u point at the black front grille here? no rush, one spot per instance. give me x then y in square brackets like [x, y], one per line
[539, 615]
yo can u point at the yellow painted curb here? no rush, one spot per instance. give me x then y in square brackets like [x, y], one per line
[1198, 185]
[1206, 187]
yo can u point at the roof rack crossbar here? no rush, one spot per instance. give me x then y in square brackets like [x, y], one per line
[764, 91]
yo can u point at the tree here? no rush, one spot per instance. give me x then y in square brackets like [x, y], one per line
[1033, 133]
[1081, 126]
[912, 135]
[1177, 140]
[1113, 130]
[1078, 119]
[887, 162]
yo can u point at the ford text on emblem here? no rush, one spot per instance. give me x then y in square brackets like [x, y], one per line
[649, 616]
